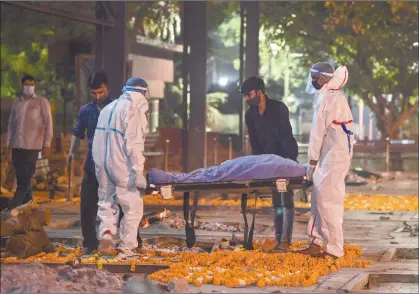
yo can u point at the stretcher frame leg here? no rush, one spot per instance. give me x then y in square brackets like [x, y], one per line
[194, 208]
[244, 211]
[252, 227]
[189, 227]
[248, 234]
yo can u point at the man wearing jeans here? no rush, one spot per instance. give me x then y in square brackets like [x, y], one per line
[29, 132]
[86, 123]
[270, 132]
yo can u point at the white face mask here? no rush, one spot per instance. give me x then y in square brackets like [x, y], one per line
[28, 90]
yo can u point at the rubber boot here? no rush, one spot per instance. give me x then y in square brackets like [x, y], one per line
[106, 244]
[313, 250]
[124, 254]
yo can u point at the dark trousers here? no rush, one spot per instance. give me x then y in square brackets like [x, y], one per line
[88, 209]
[283, 205]
[24, 163]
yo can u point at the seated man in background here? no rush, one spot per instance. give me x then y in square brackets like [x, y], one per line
[270, 132]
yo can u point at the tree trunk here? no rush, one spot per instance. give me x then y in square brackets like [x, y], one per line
[26, 222]
[29, 244]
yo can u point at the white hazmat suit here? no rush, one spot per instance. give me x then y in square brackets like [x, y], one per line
[118, 148]
[331, 141]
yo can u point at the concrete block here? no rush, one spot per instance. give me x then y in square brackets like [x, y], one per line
[141, 286]
[178, 286]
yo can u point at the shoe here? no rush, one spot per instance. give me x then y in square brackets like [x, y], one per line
[313, 250]
[269, 244]
[89, 250]
[124, 254]
[282, 247]
[106, 244]
[327, 255]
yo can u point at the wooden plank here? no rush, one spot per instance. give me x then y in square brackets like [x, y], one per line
[359, 282]
[388, 255]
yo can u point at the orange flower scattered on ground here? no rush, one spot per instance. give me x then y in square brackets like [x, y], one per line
[352, 202]
[232, 269]
[235, 269]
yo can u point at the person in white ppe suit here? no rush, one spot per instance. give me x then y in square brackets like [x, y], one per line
[118, 147]
[330, 155]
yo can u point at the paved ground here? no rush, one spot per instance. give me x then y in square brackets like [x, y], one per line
[379, 234]
[393, 184]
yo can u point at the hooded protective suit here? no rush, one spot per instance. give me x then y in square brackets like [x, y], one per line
[118, 148]
[331, 141]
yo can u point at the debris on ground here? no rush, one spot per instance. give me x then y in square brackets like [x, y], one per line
[173, 248]
[172, 220]
[412, 229]
[365, 174]
[352, 179]
[43, 279]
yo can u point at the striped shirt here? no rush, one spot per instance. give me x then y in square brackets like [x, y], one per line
[30, 124]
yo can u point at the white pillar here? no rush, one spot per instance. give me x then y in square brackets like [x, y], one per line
[370, 127]
[361, 120]
[154, 115]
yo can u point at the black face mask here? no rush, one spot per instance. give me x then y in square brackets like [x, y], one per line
[254, 102]
[316, 85]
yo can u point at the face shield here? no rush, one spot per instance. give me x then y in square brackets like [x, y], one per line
[314, 75]
[142, 90]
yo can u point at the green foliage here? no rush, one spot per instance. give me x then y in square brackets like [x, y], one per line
[155, 19]
[374, 39]
[34, 61]
[216, 99]
[275, 60]
[171, 106]
[25, 37]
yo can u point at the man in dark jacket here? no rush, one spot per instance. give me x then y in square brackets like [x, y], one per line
[270, 132]
[86, 125]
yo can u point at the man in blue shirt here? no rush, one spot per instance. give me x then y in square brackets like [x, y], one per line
[86, 123]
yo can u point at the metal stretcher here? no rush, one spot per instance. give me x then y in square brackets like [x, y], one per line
[256, 187]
